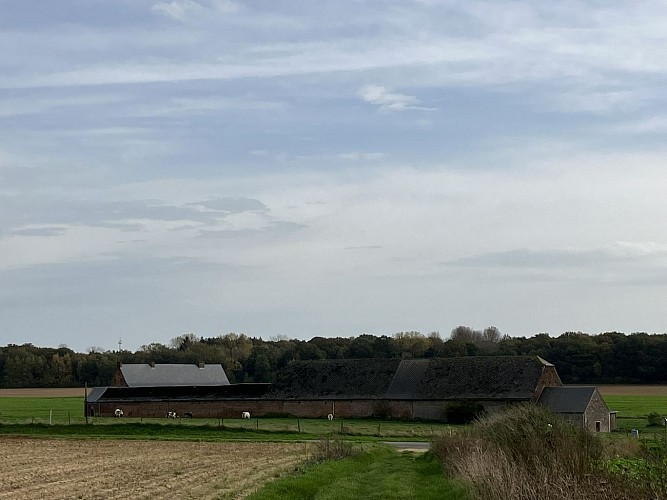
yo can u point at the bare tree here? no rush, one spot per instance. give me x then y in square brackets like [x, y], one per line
[491, 334]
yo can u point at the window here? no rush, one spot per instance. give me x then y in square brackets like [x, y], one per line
[597, 426]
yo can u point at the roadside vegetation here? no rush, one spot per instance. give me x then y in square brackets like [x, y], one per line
[527, 453]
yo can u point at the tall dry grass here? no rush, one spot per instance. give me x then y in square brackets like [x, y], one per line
[527, 453]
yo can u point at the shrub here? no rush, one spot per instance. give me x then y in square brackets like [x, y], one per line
[527, 453]
[655, 420]
[333, 448]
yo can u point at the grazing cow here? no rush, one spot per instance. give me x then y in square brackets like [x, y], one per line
[118, 413]
[330, 416]
[245, 414]
[171, 414]
[188, 414]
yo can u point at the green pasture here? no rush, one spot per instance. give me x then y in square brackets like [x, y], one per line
[22, 410]
[377, 474]
[633, 411]
[69, 411]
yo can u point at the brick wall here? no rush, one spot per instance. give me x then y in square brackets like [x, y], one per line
[421, 410]
[549, 378]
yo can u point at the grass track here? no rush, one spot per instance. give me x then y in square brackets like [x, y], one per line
[379, 474]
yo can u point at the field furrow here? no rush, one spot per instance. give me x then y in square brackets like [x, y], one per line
[91, 469]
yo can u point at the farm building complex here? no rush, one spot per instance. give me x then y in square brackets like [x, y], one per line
[384, 388]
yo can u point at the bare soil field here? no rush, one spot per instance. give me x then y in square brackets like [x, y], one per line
[633, 390]
[43, 393]
[92, 469]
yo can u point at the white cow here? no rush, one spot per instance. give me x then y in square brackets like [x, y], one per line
[245, 414]
[171, 414]
[118, 413]
[330, 416]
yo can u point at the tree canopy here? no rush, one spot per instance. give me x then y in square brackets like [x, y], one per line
[580, 358]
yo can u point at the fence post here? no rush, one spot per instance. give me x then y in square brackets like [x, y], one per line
[50, 417]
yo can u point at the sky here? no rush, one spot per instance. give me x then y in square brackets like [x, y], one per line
[308, 169]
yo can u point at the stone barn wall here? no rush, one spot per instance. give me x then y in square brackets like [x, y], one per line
[377, 408]
[597, 411]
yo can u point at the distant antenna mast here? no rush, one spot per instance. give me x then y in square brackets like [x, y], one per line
[120, 343]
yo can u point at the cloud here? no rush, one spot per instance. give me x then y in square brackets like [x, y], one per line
[360, 156]
[389, 101]
[178, 9]
[183, 10]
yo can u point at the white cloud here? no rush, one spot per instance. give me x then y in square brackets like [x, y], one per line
[178, 9]
[361, 156]
[388, 101]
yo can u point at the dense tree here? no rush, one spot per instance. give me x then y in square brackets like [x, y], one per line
[610, 357]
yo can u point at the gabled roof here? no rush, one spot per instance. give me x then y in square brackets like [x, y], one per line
[335, 379]
[567, 399]
[481, 377]
[478, 377]
[145, 375]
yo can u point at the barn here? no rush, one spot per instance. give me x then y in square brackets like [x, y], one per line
[385, 388]
[581, 406]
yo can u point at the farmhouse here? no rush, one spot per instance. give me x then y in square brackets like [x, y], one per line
[581, 406]
[385, 388]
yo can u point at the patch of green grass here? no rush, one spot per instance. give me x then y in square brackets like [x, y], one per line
[378, 474]
[30, 409]
[69, 410]
[633, 411]
[148, 431]
[637, 406]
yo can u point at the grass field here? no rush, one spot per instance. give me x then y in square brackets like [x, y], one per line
[379, 474]
[69, 410]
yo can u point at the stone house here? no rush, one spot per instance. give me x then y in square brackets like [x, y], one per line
[581, 406]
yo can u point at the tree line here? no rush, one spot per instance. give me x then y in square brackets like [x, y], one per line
[580, 358]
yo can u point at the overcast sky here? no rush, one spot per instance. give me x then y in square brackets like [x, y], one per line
[307, 168]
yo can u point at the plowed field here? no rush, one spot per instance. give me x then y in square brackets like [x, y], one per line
[59, 469]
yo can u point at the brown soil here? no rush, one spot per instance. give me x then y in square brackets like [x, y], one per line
[43, 393]
[91, 469]
[633, 390]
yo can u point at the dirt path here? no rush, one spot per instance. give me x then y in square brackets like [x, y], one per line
[66, 469]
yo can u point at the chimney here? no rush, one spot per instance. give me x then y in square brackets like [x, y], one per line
[202, 364]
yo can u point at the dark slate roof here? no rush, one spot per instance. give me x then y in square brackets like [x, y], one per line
[408, 378]
[479, 377]
[567, 399]
[95, 394]
[177, 393]
[145, 375]
[335, 379]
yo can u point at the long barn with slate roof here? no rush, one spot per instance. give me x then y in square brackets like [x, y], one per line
[386, 388]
